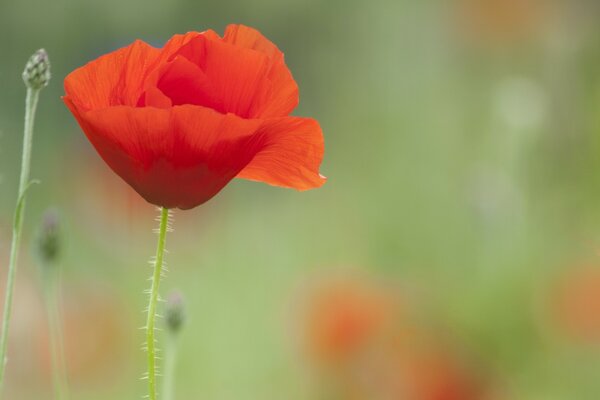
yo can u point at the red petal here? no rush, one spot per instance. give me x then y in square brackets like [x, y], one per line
[252, 82]
[153, 97]
[173, 45]
[238, 76]
[250, 38]
[283, 94]
[291, 155]
[178, 157]
[185, 83]
[113, 79]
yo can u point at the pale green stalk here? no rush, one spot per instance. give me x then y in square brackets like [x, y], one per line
[152, 304]
[169, 367]
[30, 107]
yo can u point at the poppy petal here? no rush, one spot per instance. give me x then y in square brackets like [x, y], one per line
[183, 82]
[283, 94]
[173, 45]
[238, 76]
[165, 55]
[178, 157]
[292, 151]
[250, 38]
[113, 79]
[154, 97]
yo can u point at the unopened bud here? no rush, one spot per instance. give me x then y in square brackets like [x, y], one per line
[37, 70]
[175, 312]
[48, 245]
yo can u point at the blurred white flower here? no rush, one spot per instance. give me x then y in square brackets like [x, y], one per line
[520, 103]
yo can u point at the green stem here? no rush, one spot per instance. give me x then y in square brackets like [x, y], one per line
[169, 368]
[59, 371]
[151, 321]
[30, 107]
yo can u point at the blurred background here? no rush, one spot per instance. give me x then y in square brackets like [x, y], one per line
[452, 255]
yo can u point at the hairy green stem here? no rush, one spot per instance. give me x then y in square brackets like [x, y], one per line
[151, 321]
[30, 107]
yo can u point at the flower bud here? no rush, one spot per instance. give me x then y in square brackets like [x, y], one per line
[175, 312]
[37, 70]
[48, 243]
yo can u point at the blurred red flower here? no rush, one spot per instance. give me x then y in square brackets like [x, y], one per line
[375, 344]
[178, 123]
[577, 304]
[430, 372]
[497, 22]
[96, 327]
[344, 318]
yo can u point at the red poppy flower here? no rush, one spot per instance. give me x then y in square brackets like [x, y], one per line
[576, 304]
[344, 317]
[179, 123]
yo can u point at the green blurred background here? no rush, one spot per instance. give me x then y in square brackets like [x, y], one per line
[463, 157]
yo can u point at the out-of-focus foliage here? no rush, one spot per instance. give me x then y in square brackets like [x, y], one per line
[463, 156]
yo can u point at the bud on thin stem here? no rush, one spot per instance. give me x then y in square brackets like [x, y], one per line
[175, 312]
[37, 70]
[47, 249]
[36, 76]
[48, 240]
[174, 319]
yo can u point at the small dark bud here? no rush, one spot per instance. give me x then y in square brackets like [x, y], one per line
[49, 237]
[37, 70]
[175, 312]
